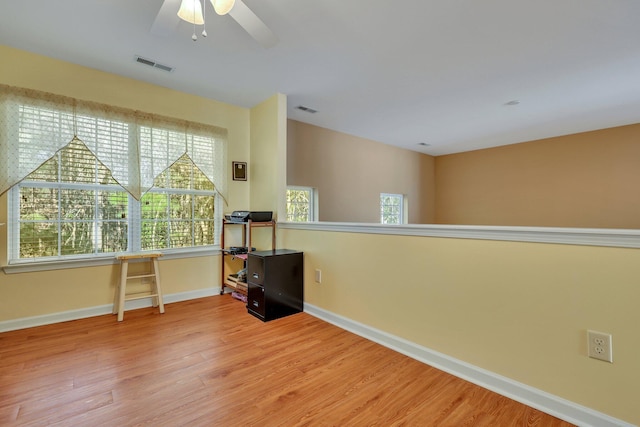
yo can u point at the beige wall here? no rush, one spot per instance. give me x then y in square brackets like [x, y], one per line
[349, 174]
[583, 180]
[33, 294]
[517, 309]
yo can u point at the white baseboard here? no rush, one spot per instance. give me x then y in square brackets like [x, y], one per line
[538, 399]
[64, 316]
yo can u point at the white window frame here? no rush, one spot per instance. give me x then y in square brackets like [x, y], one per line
[133, 219]
[134, 222]
[14, 218]
[137, 216]
[313, 201]
[400, 203]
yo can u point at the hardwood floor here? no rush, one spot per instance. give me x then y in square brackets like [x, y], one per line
[207, 362]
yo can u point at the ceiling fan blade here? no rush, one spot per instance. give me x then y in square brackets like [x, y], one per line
[167, 19]
[253, 25]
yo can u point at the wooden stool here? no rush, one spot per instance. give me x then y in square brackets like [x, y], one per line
[155, 292]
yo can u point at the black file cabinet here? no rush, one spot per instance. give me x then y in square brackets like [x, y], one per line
[275, 283]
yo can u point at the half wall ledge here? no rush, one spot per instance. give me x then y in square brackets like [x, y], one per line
[620, 238]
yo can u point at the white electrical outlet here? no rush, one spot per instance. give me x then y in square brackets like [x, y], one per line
[318, 276]
[600, 346]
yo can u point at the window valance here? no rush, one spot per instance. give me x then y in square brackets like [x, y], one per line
[135, 146]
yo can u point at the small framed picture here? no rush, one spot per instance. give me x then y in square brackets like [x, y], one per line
[239, 171]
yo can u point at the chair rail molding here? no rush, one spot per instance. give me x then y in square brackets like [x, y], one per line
[622, 238]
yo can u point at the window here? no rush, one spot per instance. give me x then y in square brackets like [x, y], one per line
[86, 179]
[392, 208]
[72, 206]
[179, 210]
[68, 206]
[301, 204]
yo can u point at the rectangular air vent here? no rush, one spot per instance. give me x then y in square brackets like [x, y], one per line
[153, 64]
[306, 109]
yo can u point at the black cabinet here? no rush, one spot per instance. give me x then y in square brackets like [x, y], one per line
[275, 283]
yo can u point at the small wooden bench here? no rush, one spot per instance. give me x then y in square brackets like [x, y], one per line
[155, 291]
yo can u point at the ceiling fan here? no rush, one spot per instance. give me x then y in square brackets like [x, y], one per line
[172, 11]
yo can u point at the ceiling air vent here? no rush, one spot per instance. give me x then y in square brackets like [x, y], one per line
[153, 64]
[306, 109]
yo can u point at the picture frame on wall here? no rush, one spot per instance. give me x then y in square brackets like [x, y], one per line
[239, 171]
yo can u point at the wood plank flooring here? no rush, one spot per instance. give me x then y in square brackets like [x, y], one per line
[206, 362]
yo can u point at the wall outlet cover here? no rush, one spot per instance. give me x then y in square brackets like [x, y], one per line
[600, 346]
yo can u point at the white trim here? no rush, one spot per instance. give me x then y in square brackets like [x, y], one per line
[538, 399]
[26, 266]
[47, 319]
[622, 238]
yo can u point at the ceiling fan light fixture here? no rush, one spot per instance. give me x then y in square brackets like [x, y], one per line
[222, 7]
[191, 11]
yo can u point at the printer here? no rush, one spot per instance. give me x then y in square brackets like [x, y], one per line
[244, 216]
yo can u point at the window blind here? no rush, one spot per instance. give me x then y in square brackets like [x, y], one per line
[135, 147]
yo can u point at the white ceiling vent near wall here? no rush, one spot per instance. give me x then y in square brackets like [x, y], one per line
[153, 64]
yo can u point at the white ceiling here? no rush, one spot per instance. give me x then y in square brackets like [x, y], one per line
[399, 72]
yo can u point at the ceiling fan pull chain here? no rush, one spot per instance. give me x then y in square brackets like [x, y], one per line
[194, 37]
[204, 18]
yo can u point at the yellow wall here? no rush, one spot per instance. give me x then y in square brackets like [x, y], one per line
[349, 174]
[267, 170]
[32, 294]
[583, 180]
[517, 309]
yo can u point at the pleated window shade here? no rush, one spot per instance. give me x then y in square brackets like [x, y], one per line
[134, 146]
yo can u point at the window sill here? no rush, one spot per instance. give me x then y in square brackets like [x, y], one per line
[26, 266]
